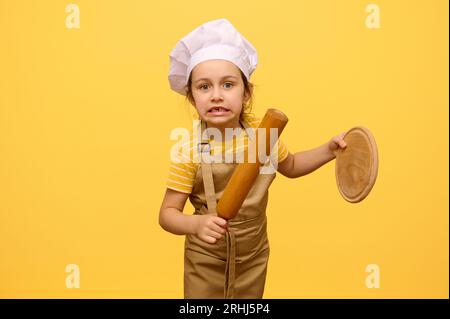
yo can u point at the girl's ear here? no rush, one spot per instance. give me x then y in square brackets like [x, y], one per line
[248, 94]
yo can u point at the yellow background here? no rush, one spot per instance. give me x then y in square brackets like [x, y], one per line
[85, 118]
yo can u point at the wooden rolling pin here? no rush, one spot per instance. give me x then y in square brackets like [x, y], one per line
[246, 173]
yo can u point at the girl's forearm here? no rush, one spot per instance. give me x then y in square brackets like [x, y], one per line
[175, 222]
[308, 161]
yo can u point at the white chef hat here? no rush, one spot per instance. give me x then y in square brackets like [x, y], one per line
[217, 39]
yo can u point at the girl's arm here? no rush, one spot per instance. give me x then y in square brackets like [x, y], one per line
[171, 217]
[303, 163]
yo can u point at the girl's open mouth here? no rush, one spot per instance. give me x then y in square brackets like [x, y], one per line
[218, 110]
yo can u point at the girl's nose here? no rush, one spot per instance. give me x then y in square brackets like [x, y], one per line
[217, 94]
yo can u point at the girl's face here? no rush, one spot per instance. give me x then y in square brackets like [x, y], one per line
[218, 92]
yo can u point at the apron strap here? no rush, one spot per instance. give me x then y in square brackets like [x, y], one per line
[211, 201]
[230, 268]
[208, 182]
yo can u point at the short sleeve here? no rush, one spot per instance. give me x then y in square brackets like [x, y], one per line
[181, 175]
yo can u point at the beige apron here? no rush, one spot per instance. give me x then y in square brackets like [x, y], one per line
[236, 265]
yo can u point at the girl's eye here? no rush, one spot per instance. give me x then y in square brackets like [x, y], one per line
[227, 85]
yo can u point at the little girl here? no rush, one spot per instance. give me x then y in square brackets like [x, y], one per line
[212, 66]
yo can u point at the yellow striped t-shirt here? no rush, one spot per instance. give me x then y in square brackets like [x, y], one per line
[185, 157]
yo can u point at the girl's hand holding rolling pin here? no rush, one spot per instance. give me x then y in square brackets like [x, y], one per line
[210, 228]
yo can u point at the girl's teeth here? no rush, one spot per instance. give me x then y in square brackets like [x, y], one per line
[218, 110]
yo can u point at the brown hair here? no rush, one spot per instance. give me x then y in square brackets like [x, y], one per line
[248, 89]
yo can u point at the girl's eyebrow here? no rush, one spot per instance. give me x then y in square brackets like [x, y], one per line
[225, 77]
